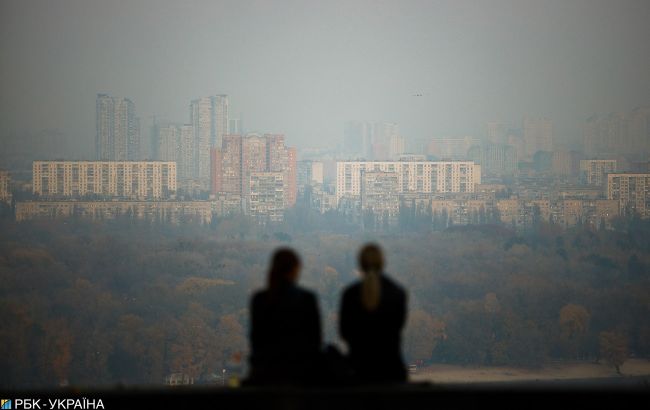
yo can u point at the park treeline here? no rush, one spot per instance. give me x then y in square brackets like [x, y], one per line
[94, 303]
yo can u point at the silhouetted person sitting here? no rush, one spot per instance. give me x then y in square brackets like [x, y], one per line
[373, 312]
[285, 330]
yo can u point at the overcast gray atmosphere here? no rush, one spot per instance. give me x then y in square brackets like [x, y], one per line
[304, 67]
[324, 204]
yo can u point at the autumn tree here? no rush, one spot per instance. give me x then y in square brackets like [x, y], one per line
[574, 324]
[423, 333]
[613, 348]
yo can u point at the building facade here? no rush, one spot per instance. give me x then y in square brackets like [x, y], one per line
[632, 191]
[594, 171]
[209, 119]
[118, 129]
[157, 211]
[117, 179]
[415, 176]
[266, 201]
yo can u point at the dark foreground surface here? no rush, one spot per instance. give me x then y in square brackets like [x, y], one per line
[625, 392]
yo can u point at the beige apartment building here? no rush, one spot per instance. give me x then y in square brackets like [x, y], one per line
[117, 179]
[594, 171]
[632, 191]
[162, 211]
[412, 176]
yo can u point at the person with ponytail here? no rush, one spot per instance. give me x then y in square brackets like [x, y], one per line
[285, 327]
[371, 319]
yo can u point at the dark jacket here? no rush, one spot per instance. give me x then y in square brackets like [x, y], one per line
[374, 338]
[285, 336]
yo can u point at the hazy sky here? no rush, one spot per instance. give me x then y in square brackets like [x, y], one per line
[304, 67]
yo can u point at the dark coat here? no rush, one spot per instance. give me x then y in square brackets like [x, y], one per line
[285, 336]
[374, 338]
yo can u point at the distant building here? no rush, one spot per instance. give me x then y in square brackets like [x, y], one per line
[118, 129]
[594, 171]
[496, 132]
[565, 163]
[233, 165]
[380, 196]
[396, 147]
[618, 133]
[209, 119]
[156, 211]
[5, 191]
[266, 201]
[632, 191]
[309, 172]
[538, 135]
[495, 159]
[417, 176]
[357, 139]
[451, 148]
[118, 179]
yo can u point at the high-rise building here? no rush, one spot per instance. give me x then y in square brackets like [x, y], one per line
[309, 172]
[187, 151]
[242, 156]
[167, 142]
[632, 191]
[396, 147]
[496, 132]
[266, 202]
[357, 139]
[231, 165]
[118, 129]
[234, 126]
[495, 159]
[618, 133]
[451, 148]
[415, 176]
[538, 135]
[594, 171]
[121, 179]
[565, 163]
[209, 117]
[216, 173]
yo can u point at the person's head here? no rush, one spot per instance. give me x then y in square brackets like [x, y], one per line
[371, 263]
[285, 268]
[371, 259]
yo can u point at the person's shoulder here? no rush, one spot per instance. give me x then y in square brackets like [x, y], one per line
[393, 284]
[259, 296]
[352, 289]
[305, 293]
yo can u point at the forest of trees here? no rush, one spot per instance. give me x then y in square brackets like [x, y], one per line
[131, 302]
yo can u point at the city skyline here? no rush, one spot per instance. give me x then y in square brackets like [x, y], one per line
[435, 68]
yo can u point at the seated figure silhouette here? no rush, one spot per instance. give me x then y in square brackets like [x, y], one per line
[372, 315]
[285, 332]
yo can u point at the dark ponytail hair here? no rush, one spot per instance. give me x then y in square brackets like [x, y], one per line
[283, 264]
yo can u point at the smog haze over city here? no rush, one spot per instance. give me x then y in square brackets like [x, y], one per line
[303, 68]
[154, 155]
